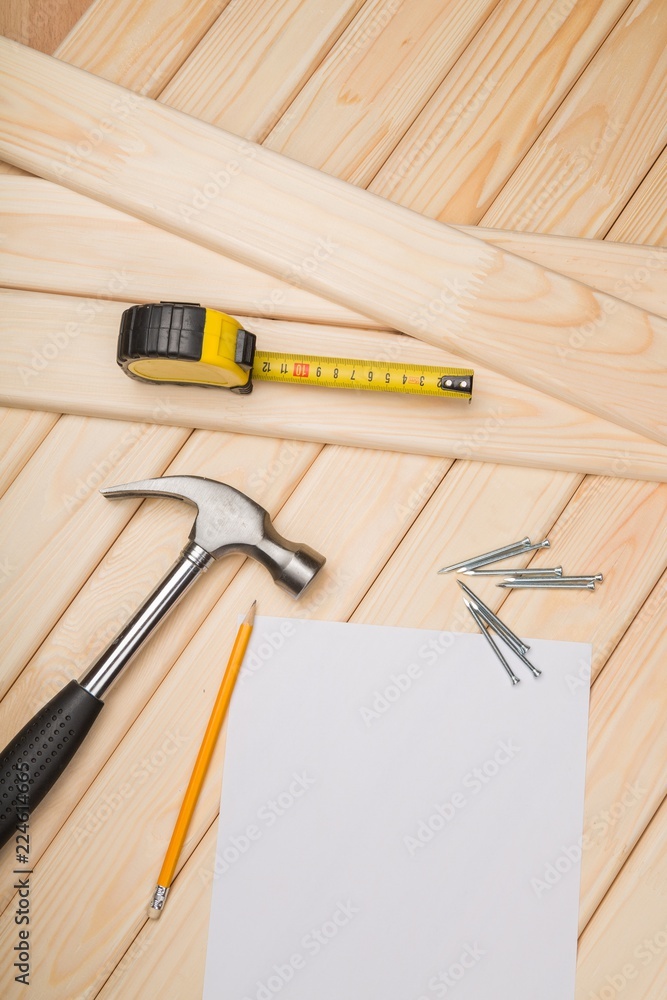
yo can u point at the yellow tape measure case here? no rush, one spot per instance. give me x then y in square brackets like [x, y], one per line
[185, 344]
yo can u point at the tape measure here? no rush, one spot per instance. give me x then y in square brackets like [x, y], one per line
[183, 343]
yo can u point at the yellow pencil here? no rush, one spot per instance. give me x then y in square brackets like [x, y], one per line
[201, 764]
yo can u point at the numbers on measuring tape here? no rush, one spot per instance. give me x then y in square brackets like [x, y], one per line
[426, 380]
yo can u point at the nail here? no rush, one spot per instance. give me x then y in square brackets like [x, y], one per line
[480, 624]
[508, 555]
[554, 583]
[530, 571]
[503, 630]
[514, 548]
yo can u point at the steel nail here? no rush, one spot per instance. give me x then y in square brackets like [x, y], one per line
[514, 548]
[548, 571]
[554, 583]
[498, 626]
[480, 624]
[475, 564]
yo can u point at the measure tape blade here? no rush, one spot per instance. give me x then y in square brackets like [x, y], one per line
[352, 373]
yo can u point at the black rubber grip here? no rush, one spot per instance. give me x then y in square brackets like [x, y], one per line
[38, 755]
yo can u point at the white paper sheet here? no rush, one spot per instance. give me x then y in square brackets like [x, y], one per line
[397, 821]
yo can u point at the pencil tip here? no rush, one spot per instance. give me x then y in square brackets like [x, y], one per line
[250, 617]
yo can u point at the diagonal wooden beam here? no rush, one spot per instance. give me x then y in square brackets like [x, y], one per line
[423, 278]
[46, 247]
[53, 361]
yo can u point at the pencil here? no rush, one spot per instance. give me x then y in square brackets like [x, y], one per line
[201, 764]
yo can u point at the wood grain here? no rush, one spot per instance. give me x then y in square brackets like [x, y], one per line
[46, 509]
[536, 338]
[492, 107]
[646, 211]
[49, 340]
[592, 139]
[256, 58]
[21, 432]
[47, 247]
[624, 946]
[346, 118]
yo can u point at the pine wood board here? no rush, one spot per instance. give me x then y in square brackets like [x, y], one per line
[646, 212]
[137, 958]
[21, 432]
[268, 216]
[46, 247]
[43, 351]
[253, 51]
[591, 139]
[45, 510]
[493, 106]
[346, 118]
[623, 947]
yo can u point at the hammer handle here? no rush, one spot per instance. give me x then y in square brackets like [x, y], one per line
[37, 756]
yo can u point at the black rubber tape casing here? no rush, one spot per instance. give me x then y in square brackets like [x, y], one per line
[38, 755]
[174, 330]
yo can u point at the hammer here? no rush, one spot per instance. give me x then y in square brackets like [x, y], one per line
[227, 521]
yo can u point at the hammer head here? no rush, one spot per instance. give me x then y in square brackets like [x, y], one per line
[229, 521]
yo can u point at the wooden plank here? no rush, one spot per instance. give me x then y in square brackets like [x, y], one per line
[46, 346]
[141, 44]
[270, 212]
[593, 139]
[50, 505]
[627, 755]
[257, 57]
[21, 432]
[346, 118]
[46, 247]
[646, 212]
[623, 951]
[321, 510]
[492, 107]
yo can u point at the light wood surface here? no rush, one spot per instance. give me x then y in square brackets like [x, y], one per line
[42, 352]
[46, 231]
[596, 522]
[485, 304]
